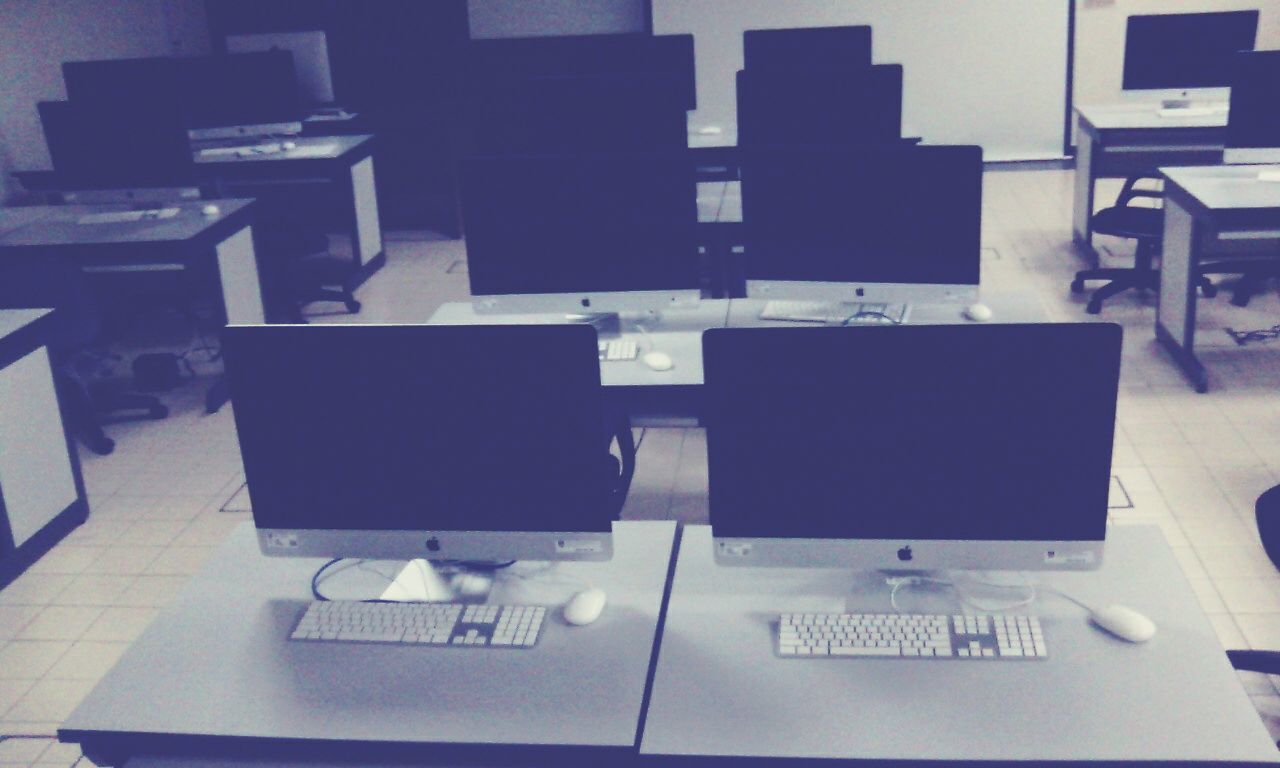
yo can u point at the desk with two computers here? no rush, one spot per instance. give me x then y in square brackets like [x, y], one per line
[711, 642]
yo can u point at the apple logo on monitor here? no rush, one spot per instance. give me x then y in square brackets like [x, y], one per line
[433, 544]
[904, 554]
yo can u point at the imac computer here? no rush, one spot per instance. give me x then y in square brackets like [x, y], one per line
[496, 60]
[1253, 125]
[243, 94]
[94, 146]
[575, 114]
[310, 59]
[885, 223]
[473, 443]
[916, 448]
[581, 233]
[1184, 60]
[807, 48]
[125, 84]
[845, 107]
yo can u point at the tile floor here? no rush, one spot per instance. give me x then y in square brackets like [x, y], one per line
[1192, 464]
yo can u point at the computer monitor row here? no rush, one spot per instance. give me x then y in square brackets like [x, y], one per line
[619, 232]
[259, 88]
[979, 447]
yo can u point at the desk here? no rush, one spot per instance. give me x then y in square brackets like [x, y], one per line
[719, 690]
[215, 674]
[1207, 211]
[53, 232]
[649, 397]
[1121, 140]
[347, 168]
[42, 494]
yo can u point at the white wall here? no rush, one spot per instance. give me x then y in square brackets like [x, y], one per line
[1100, 28]
[530, 18]
[988, 72]
[36, 36]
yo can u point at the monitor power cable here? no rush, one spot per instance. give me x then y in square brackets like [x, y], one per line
[887, 318]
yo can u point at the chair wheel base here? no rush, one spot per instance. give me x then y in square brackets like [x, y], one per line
[1077, 286]
[353, 306]
[1208, 291]
[1093, 307]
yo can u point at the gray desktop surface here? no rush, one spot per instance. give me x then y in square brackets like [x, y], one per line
[679, 334]
[1228, 187]
[14, 320]
[217, 663]
[719, 690]
[57, 225]
[13, 217]
[1005, 308]
[1134, 116]
[341, 144]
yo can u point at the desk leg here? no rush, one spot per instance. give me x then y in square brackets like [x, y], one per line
[1176, 308]
[38, 480]
[1082, 210]
[241, 286]
[366, 238]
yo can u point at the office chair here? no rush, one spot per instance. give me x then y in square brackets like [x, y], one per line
[1267, 511]
[1144, 224]
[45, 281]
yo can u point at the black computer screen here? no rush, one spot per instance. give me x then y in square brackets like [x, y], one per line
[870, 214]
[126, 84]
[96, 146]
[1185, 50]
[847, 107]
[582, 223]
[1254, 120]
[820, 48]
[519, 58]
[996, 432]
[207, 91]
[479, 428]
[242, 89]
[601, 113]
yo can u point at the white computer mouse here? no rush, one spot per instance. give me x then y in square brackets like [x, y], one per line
[288, 145]
[1124, 623]
[658, 361]
[211, 210]
[979, 313]
[585, 607]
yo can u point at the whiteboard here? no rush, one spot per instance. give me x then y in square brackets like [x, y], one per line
[986, 72]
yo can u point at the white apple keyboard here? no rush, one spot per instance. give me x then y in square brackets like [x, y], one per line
[828, 312]
[616, 350]
[433, 624]
[994, 637]
[122, 217]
